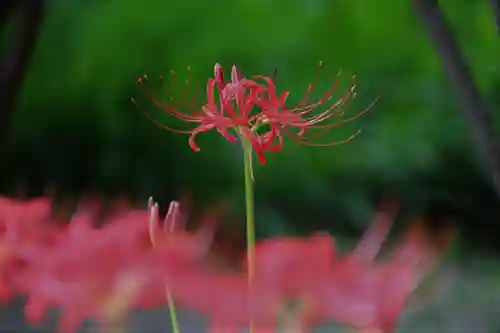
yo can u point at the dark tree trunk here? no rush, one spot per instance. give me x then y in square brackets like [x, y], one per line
[459, 74]
[495, 7]
[15, 58]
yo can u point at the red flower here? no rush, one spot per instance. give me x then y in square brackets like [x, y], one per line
[282, 267]
[218, 113]
[103, 272]
[129, 262]
[244, 107]
[85, 272]
[368, 295]
[297, 121]
[173, 237]
[290, 262]
[24, 229]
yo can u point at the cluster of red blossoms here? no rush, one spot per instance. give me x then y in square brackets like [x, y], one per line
[130, 261]
[253, 108]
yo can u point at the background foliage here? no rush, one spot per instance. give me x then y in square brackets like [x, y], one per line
[77, 128]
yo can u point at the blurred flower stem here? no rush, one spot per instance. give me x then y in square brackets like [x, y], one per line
[153, 220]
[250, 210]
[173, 313]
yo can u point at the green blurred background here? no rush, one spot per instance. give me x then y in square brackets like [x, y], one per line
[75, 126]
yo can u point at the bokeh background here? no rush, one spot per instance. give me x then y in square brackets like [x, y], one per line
[75, 130]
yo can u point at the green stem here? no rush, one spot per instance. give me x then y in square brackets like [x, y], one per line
[173, 313]
[250, 211]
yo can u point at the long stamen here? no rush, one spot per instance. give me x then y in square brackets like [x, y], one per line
[311, 85]
[331, 144]
[173, 111]
[156, 122]
[177, 104]
[275, 73]
[345, 121]
[326, 97]
[306, 140]
[197, 95]
[193, 107]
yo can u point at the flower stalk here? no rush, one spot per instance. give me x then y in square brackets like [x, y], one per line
[153, 220]
[250, 211]
[254, 112]
[173, 312]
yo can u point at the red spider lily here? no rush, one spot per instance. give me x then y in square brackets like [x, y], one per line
[372, 240]
[81, 273]
[274, 257]
[101, 273]
[23, 217]
[295, 263]
[85, 279]
[224, 297]
[297, 121]
[23, 230]
[176, 250]
[232, 112]
[282, 265]
[174, 236]
[218, 113]
[369, 295]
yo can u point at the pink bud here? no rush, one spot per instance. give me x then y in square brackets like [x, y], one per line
[172, 218]
[234, 74]
[219, 76]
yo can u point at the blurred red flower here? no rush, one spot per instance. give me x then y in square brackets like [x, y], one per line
[129, 262]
